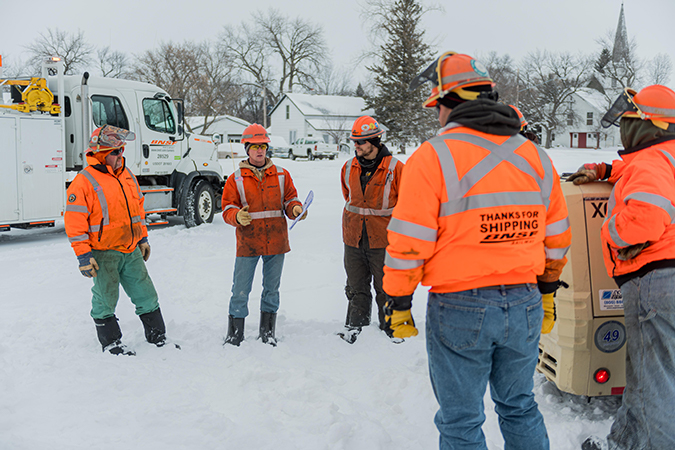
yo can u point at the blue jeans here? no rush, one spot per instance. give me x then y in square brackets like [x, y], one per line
[478, 336]
[645, 419]
[244, 270]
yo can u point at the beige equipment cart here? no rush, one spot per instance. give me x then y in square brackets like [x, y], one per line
[585, 353]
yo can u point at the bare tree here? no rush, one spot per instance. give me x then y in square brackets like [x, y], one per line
[624, 68]
[332, 81]
[504, 72]
[551, 79]
[659, 69]
[72, 48]
[113, 64]
[198, 73]
[297, 43]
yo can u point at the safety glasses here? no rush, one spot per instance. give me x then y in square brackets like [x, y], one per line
[360, 141]
[431, 73]
[623, 104]
[117, 151]
[258, 147]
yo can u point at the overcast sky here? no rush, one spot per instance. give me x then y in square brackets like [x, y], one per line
[513, 27]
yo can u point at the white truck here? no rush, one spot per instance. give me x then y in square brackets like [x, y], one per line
[312, 148]
[42, 140]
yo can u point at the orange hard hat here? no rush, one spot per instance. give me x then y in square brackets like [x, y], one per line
[109, 137]
[255, 134]
[523, 122]
[655, 103]
[453, 72]
[365, 127]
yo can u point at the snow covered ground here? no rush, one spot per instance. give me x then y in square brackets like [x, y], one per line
[314, 391]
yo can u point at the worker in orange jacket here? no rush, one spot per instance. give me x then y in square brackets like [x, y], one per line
[481, 219]
[639, 250]
[255, 199]
[370, 183]
[105, 224]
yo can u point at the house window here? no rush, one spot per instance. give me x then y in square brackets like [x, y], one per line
[570, 119]
[553, 136]
[589, 118]
[288, 112]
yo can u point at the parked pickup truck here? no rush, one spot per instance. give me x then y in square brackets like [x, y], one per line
[311, 149]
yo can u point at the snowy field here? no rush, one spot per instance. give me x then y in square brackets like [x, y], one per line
[314, 391]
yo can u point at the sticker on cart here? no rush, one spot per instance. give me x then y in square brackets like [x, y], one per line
[611, 300]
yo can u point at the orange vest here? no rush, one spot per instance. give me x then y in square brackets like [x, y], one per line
[268, 199]
[476, 210]
[375, 205]
[641, 209]
[104, 210]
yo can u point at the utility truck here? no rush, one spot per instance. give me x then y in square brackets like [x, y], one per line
[44, 134]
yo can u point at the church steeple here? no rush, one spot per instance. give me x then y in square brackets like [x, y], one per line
[620, 50]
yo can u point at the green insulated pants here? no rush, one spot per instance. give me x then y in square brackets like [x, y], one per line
[127, 269]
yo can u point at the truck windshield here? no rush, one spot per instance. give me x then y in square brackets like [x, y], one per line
[158, 116]
[108, 111]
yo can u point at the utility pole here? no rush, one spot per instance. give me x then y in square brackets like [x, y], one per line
[517, 85]
[264, 96]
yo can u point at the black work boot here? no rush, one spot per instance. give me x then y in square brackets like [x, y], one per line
[110, 335]
[593, 443]
[350, 334]
[155, 330]
[235, 330]
[268, 324]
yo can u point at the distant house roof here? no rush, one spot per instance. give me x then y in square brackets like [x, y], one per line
[594, 98]
[327, 105]
[197, 122]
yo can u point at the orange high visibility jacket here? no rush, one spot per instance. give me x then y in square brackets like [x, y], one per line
[476, 210]
[104, 210]
[268, 199]
[641, 209]
[374, 206]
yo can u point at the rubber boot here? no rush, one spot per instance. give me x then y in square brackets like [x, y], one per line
[268, 324]
[235, 331]
[110, 335]
[155, 330]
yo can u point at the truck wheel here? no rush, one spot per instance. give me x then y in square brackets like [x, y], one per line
[331, 157]
[200, 204]
[291, 155]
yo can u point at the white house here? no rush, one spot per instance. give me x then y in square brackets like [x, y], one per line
[329, 117]
[229, 127]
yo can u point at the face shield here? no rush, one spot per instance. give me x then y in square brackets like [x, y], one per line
[623, 104]
[431, 73]
[109, 136]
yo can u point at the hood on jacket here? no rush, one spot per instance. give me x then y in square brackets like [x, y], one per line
[487, 116]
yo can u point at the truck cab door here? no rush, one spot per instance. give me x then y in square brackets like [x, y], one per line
[162, 143]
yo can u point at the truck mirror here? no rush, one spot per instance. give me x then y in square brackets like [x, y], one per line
[217, 138]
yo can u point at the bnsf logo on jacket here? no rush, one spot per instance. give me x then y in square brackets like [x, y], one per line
[517, 227]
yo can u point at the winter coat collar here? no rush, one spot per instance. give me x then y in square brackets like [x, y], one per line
[259, 172]
[486, 116]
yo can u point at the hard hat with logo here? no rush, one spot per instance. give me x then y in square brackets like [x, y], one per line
[655, 103]
[255, 134]
[454, 73]
[109, 137]
[365, 127]
[523, 122]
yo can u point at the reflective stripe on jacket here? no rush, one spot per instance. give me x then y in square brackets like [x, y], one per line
[476, 210]
[268, 199]
[641, 209]
[104, 210]
[374, 206]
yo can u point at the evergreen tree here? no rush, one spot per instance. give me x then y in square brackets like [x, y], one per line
[603, 59]
[360, 92]
[401, 57]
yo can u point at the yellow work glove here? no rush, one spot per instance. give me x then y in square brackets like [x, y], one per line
[400, 321]
[89, 270]
[550, 315]
[588, 173]
[243, 217]
[145, 250]
[297, 209]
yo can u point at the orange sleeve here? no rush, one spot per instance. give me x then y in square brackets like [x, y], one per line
[345, 188]
[231, 203]
[290, 195]
[76, 218]
[558, 233]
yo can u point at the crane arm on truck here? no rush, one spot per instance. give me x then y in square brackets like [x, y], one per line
[36, 96]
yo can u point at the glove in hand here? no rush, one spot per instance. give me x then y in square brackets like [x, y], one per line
[624, 254]
[145, 250]
[243, 216]
[297, 209]
[588, 173]
[89, 270]
[400, 322]
[550, 316]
